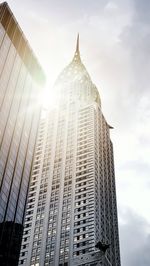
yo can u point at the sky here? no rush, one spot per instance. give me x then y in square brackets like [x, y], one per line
[115, 48]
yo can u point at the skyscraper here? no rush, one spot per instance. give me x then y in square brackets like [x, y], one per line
[21, 80]
[71, 216]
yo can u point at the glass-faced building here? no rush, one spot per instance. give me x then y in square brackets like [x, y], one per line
[71, 216]
[21, 81]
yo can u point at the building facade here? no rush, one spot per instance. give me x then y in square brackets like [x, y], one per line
[71, 216]
[21, 81]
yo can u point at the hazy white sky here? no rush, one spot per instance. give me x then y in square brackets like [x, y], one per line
[115, 48]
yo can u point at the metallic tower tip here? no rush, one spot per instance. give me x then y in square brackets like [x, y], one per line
[77, 44]
[77, 52]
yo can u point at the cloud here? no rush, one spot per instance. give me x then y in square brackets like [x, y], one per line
[136, 38]
[134, 239]
[142, 11]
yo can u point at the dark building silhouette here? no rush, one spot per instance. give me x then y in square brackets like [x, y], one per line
[21, 81]
[11, 236]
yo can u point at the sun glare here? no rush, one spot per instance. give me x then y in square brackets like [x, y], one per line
[49, 98]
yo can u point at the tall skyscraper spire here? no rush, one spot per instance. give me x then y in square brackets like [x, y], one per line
[71, 217]
[77, 44]
[77, 51]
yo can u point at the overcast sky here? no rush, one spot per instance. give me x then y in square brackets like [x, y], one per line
[115, 48]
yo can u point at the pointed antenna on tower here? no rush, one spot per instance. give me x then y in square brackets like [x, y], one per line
[76, 57]
[77, 44]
